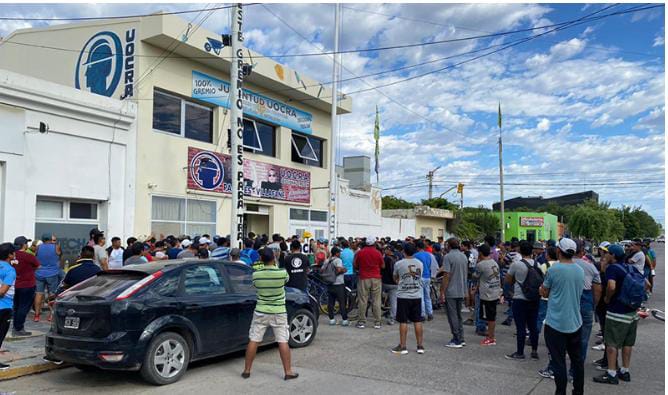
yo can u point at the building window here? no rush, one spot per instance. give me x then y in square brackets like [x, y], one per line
[49, 209]
[259, 138]
[176, 216]
[182, 117]
[307, 149]
[299, 214]
[319, 216]
[80, 210]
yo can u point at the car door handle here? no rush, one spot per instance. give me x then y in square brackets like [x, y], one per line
[193, 307]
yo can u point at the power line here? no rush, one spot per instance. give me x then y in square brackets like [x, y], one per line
[391, 16]
[92, 18]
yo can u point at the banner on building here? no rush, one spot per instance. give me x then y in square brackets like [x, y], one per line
[215, 91]
[211, 171]
[531, 221]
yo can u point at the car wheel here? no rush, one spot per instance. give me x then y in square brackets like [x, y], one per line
[302, 329]
[166, 359]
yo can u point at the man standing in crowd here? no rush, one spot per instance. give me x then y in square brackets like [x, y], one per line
[425, 257]
[101, 257]
[297, 266]
[115, 254]
[48, 274]
[368, 262]
[128, 249]
[453, 290]
[83, 269]
[347, 257]
[407, 274]
[248, 254]
[525, 307]
[489, 291]
[269, 311]
[24, 289]
[637, 258]
[7, 279]
[590, 296]
[389, 285]
[563, 285]
[190, 249]
[621, 322]
[174, 247]
[336, 291]
[223, 249]
[136, 255]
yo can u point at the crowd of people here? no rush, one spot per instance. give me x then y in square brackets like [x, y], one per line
[557, 287]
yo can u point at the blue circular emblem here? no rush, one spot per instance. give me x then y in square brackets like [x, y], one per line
[206, 170]
[100, 64]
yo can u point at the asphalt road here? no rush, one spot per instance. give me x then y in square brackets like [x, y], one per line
[359, 361]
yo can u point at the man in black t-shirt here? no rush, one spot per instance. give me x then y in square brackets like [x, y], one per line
[297, 266]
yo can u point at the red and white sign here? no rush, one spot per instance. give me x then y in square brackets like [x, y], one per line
[211, 171]
[531, 221]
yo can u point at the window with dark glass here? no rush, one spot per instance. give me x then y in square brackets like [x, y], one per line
[198, 122]
[83, 210]
[166, 112]
[176, 115]
[203, 280]
[259, 137]
[306, 149]
[299, 214]
[320, 216]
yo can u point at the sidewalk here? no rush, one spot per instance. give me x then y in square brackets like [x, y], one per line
[24, 354]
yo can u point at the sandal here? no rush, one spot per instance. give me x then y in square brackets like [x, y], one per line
[36, 319]
[291, 376]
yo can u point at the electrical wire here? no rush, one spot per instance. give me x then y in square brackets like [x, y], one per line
[92, 18]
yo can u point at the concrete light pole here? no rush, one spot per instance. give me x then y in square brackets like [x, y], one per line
[237, 128]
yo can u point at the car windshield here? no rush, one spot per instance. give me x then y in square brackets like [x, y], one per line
[106, 285]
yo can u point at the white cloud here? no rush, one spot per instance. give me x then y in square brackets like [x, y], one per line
[561, 51]
[543, 125]
[659, 40]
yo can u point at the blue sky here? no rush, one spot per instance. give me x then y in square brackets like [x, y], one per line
[584, 105]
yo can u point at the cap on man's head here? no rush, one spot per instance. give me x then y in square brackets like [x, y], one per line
[604, 246]
[204, 240]
[186, 243]
[638, 242]
[551, 243]
[370, 240]
[537, 245]
[6, 249]
[46, 236]
[617, 251]
[21, 240]
[567, 245]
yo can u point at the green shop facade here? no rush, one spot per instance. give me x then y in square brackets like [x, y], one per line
[530, 226]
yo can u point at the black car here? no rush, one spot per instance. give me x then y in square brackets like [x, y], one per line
[158, 317]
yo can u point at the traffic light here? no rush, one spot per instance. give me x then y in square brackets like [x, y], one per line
[460, 188]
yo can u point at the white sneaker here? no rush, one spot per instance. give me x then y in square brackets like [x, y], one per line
[465, 310]
[600, 347]
[332, 322]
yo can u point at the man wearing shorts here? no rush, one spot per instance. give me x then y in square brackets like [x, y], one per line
[269, 312]
[489, 287]
[408, 275]
[621, 321]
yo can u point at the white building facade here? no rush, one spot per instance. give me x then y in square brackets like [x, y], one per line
[73, 172]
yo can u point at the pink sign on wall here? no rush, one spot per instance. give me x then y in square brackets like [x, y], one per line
[210, 171]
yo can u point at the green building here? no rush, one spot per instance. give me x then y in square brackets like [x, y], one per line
[530, 226]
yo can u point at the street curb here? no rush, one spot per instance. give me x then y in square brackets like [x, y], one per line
[20, 371]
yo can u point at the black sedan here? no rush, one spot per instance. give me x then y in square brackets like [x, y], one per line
[158, 317]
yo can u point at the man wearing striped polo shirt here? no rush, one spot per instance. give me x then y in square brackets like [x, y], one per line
[269, 312]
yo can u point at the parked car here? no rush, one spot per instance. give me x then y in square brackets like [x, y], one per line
[661, 239]
[157, 318]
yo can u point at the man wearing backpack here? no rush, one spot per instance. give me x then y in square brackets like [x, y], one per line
[526, 277]
[332, 273]
[564, 282]
[624, 294]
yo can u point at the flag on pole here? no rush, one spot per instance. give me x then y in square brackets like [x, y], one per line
[499, 115]
[376, 137]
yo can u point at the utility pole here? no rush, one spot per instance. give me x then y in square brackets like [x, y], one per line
[237, 128]
[430, 177]
[460, 189]
[332, 144]
[503, 217]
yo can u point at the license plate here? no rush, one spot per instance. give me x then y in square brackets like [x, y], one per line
[72, 322]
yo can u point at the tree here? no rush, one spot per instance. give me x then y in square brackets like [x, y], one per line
[439, 203]
[476, 223]
[392, 202]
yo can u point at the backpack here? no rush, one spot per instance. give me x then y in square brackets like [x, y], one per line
[245, 256]
[531, 284]
[328, 272]
[632, 294]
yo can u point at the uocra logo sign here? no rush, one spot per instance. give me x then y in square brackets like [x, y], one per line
[104, 61]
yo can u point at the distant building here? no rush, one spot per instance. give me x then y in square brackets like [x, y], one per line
[418, 221]
[530, 226]
[538, 202]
